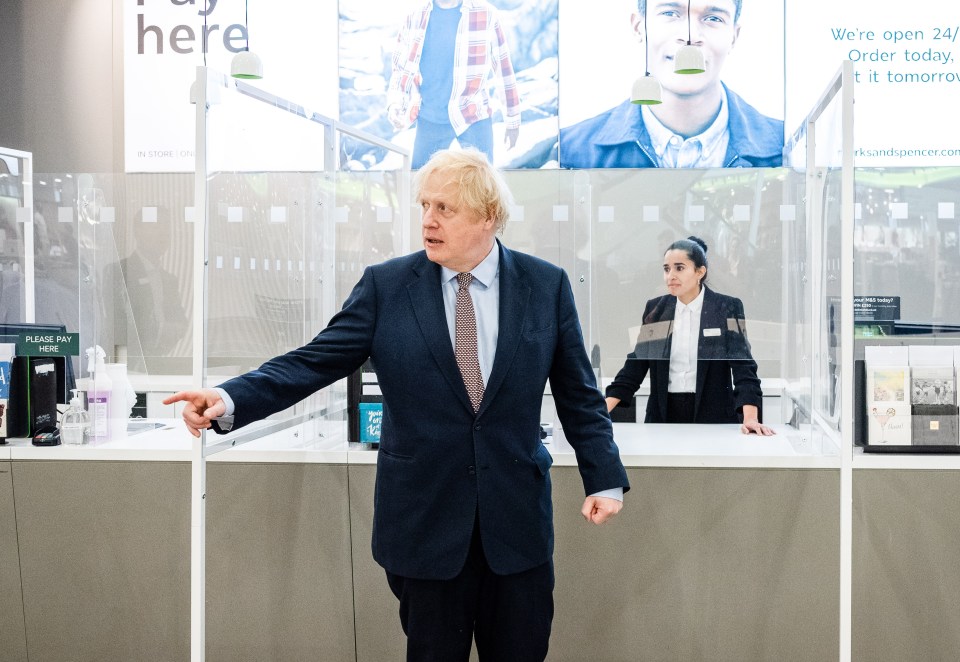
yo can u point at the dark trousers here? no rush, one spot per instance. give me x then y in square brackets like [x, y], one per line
[510, 615]
[680, 407]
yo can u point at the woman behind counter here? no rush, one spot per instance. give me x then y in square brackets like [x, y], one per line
[693, 341]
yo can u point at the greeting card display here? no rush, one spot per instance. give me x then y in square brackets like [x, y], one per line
[933, 385]
[888, 405]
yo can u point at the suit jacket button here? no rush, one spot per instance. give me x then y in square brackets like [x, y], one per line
[472, 470]
[477, 428]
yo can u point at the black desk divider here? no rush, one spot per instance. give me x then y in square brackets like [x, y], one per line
[33, 396]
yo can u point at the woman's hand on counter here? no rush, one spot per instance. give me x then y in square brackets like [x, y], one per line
[756, 427]
[751, 422]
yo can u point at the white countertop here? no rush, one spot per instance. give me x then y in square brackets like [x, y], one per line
[318, 441]
[172, 442]
[641, 445]
[679, 445]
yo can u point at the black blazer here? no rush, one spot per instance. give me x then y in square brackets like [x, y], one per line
[726, 372]
[440, 466]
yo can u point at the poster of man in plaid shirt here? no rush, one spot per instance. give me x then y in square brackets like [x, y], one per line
[451, 64]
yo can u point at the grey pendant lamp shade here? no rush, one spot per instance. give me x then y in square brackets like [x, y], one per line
[646, 90]
[245, 64]
[689, 59]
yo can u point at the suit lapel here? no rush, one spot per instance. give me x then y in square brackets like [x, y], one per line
[667, 312]
[706, 352]
[426, 298]
[514, 297]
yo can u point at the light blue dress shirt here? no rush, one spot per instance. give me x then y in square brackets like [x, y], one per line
[485, 293]
[706, 150]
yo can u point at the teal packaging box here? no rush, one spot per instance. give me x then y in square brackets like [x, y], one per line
[371, 413]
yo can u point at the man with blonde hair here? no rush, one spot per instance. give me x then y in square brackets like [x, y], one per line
[463, 336]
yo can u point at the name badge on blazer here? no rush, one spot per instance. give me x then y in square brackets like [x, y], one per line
[711, 332]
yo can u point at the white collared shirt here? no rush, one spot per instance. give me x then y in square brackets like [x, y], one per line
[683, 346]
[705, 150]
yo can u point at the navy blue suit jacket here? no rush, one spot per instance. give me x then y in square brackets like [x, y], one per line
[440, 466]
[726, 372]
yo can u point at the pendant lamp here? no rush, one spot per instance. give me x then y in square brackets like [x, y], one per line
[246, 65]
[646, 90]
[689, 58]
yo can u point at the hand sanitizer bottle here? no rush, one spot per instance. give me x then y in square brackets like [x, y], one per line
[98, 394]
[75, 423]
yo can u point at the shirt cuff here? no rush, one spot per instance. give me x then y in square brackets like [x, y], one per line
[613, 493]
[227, 401]
[225, 421]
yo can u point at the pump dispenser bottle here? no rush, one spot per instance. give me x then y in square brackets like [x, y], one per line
[99, 394]
[75, 423]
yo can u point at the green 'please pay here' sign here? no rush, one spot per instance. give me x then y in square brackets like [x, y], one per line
[48, 344]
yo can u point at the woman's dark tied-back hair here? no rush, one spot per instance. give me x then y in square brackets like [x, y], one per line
[696, 250]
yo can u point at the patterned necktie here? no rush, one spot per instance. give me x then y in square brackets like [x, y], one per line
[465, 347]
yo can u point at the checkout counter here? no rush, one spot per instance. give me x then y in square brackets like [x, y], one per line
[727, 543]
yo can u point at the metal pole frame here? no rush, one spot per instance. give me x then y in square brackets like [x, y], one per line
[200, 449]
[29, 265]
